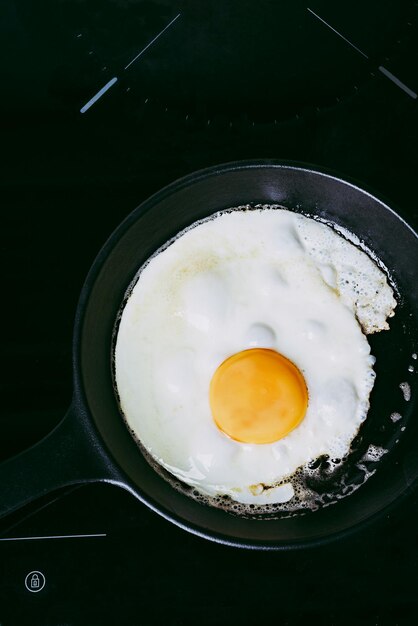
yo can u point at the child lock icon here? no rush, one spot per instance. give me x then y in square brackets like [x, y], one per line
[34, 581]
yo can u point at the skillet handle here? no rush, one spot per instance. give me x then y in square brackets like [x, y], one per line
[71, 454]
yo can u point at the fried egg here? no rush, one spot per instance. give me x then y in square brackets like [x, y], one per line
[241, 354]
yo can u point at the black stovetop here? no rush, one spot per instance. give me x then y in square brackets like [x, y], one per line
[329, 85]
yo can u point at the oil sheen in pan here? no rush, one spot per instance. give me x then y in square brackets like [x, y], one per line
[323, 481]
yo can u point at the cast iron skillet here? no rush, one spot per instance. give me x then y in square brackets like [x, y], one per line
[92, 444]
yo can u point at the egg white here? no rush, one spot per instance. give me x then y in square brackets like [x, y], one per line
[249, 278]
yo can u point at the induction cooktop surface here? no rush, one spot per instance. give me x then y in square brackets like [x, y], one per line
[103, 104]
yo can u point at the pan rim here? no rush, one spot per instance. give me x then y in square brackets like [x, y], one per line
[90, 280]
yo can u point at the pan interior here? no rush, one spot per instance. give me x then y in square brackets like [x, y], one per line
[311, 193]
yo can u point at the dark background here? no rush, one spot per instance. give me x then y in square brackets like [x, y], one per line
[228, 80]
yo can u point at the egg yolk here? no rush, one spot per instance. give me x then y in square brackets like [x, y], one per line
[257, 396]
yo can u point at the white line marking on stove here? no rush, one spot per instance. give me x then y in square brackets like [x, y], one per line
[337, 33]
[397, 82]
[98, 95]
[152, 41]
[52, 537]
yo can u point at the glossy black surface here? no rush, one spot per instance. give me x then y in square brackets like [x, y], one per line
[67, 181]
